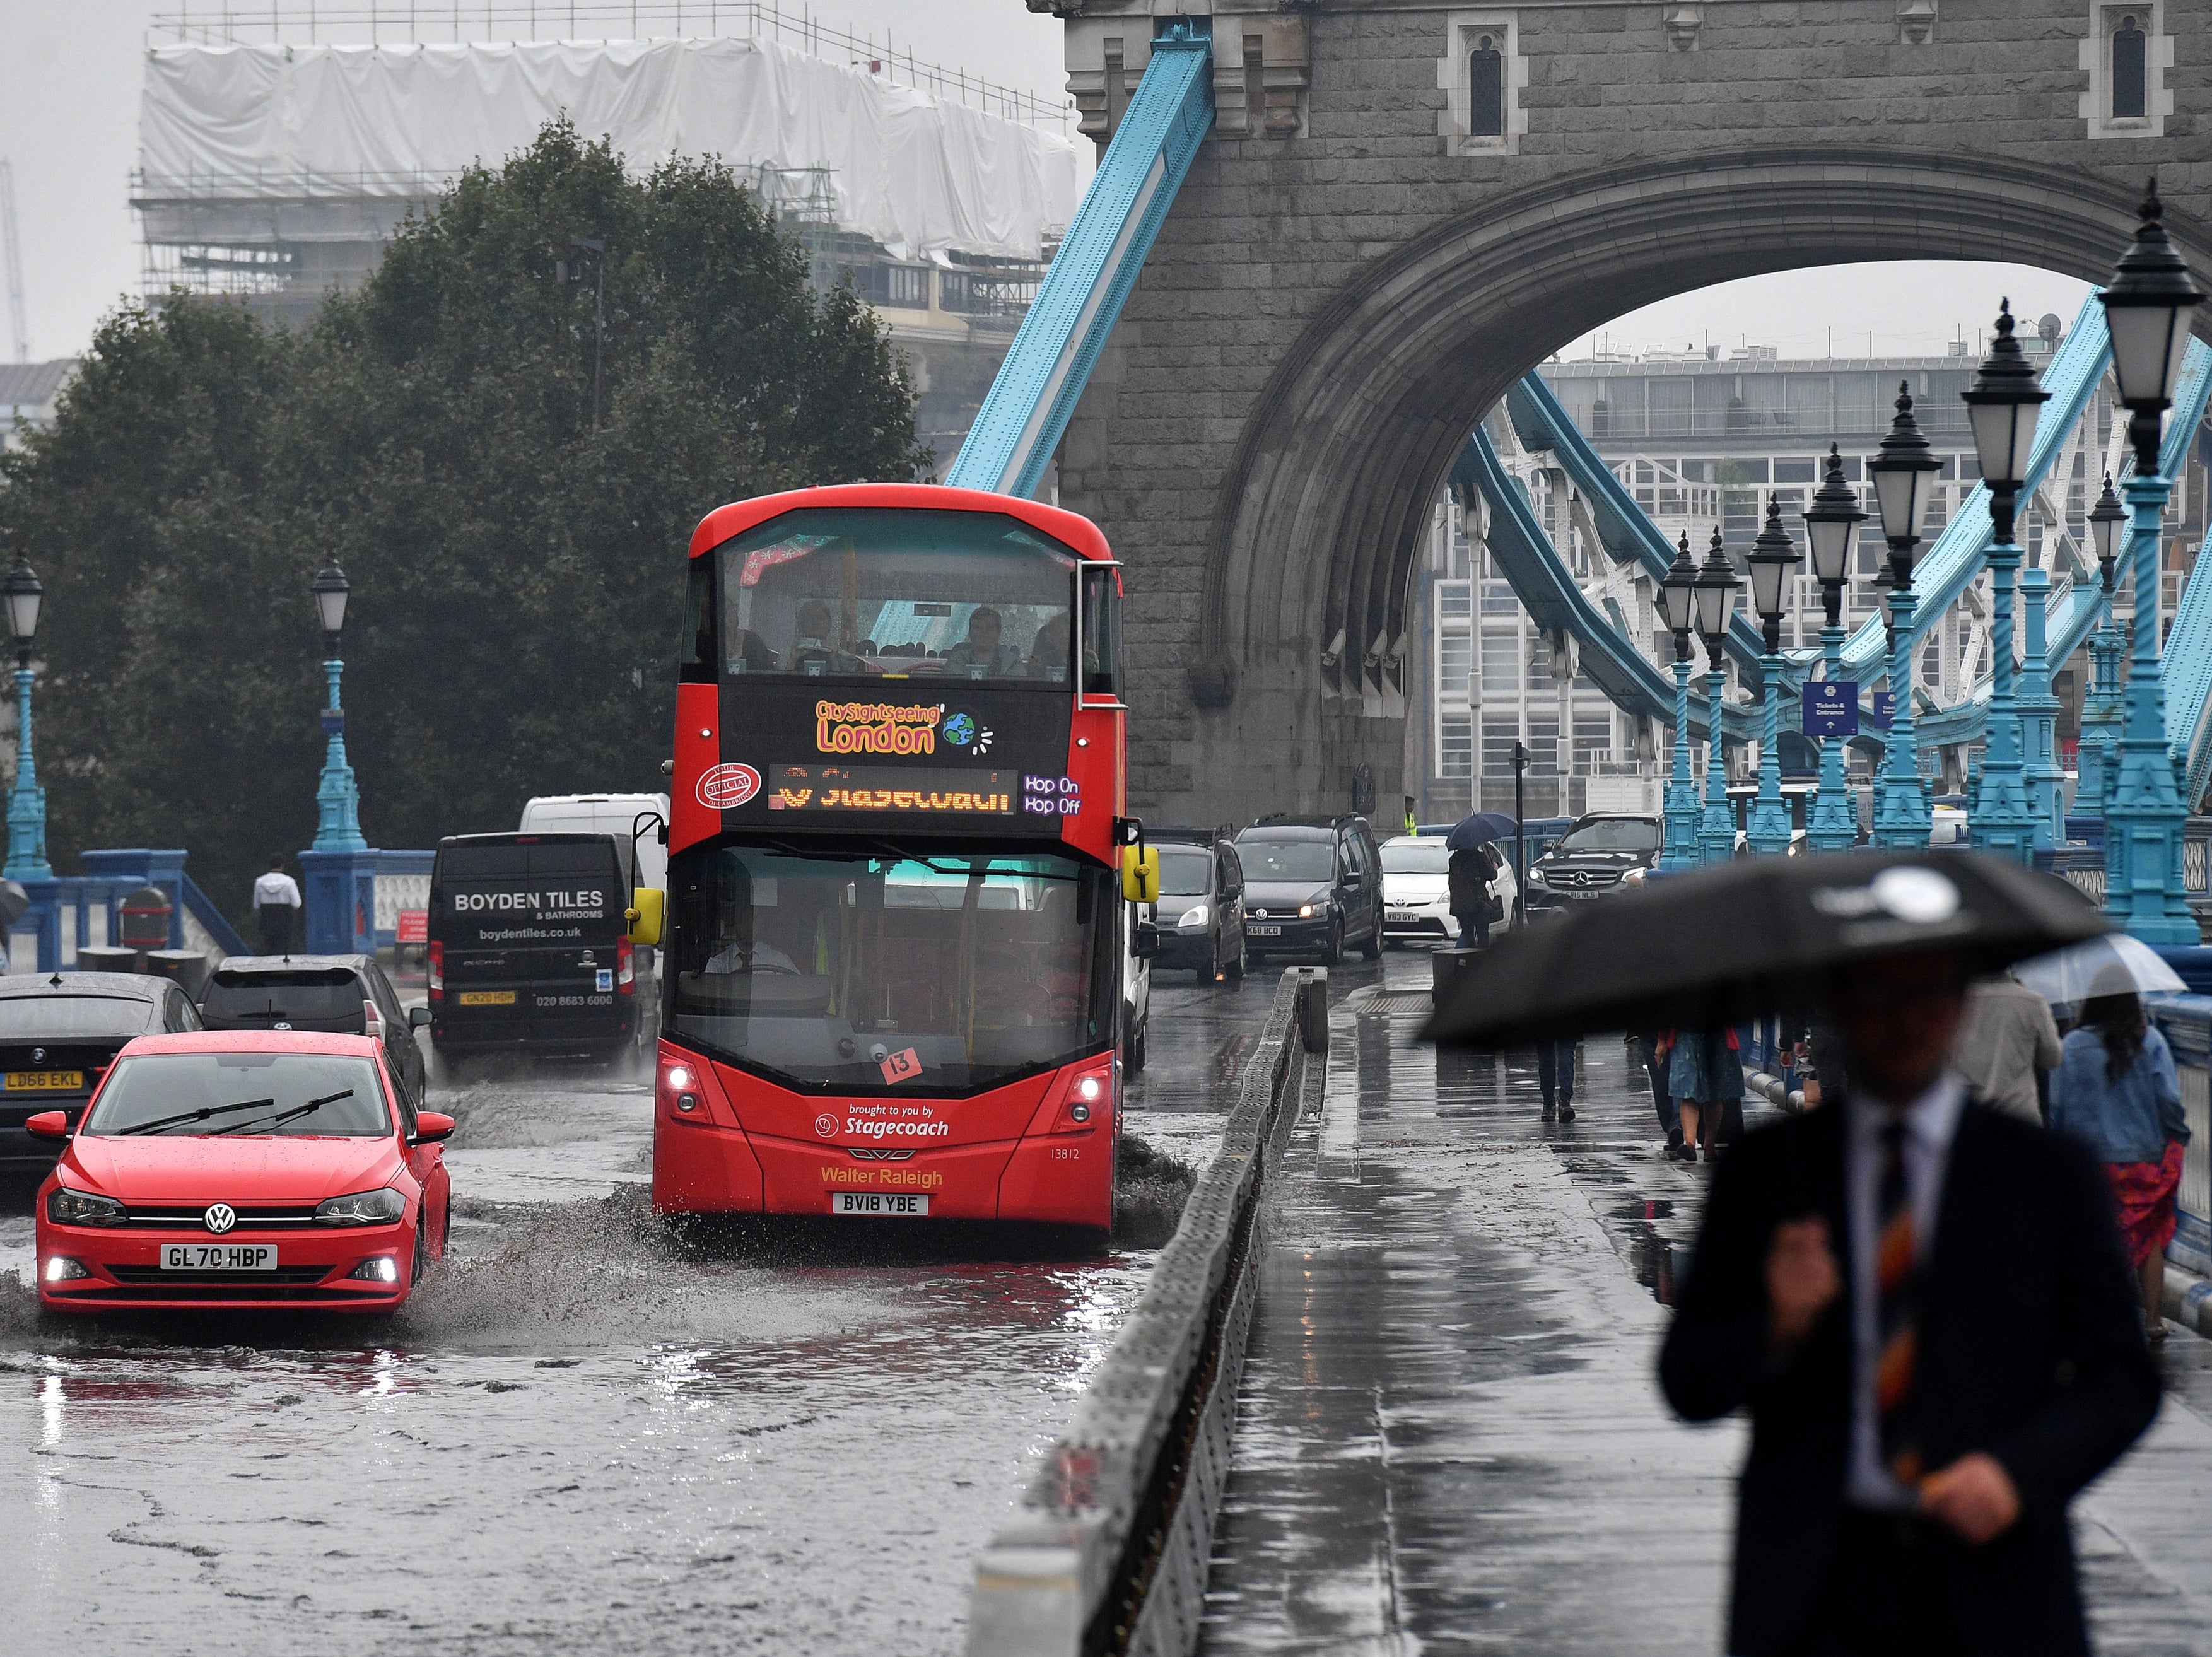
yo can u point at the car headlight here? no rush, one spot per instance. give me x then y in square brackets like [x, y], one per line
[1305, 911]
[67, 1207]
[1196, 915]
[1535, 877]
[379, 1207]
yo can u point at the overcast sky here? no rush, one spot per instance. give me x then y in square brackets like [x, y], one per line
[69, 73]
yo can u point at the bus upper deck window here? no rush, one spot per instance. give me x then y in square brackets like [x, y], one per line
[1101, 632]
[695, 650]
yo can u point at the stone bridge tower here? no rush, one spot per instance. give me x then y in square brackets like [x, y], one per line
[1407, 204]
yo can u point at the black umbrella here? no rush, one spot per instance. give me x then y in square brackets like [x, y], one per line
[1749, 938]
[1481, 829]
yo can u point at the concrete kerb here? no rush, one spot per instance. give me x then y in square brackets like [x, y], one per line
[1110, 1552]
[2187, 1300]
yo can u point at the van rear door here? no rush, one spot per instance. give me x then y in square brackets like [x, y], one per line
[530, 926]
[577, 880]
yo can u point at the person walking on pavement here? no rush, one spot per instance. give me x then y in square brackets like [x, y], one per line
[2116, 1092]
[1468, 891]
[276, 901]
[1555, 1074]
[1705, 1072]
[1924, 1304]
[1650, 1051]
[2007, 1039]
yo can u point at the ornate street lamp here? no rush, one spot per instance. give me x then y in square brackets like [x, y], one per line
[2003, 406]
[1831, 529]
[1904, 476]
[1773, 559]
[2147, 307]
[1678, 601]
[2101, 709]
[27, 803]
[337, 800]
[1716, 593]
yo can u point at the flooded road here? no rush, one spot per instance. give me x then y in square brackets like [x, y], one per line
[584, 1431]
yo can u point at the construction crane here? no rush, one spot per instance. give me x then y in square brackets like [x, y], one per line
[11, 245]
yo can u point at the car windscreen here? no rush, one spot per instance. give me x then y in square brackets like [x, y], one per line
[1185, 873]
[241, 1095]
[320, 996]
[1309, 860]
[1611, 835]
[65, 1017]
[869, 591]
[893, 971]
[1425, 857]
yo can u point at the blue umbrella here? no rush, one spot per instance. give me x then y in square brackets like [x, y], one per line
[1481, 829]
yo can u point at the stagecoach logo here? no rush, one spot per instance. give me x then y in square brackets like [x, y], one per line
[726, 786]
[876, 728]
[220, 1217]
[826, 1126]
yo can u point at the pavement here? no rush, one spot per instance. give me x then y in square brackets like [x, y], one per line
[1451, 1439]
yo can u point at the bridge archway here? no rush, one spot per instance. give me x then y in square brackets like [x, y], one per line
[1332, 479]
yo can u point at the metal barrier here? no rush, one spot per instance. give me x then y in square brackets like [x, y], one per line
[1110, 1552]
[2186, 1020]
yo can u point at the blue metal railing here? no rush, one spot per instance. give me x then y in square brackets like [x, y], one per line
[1028, 404]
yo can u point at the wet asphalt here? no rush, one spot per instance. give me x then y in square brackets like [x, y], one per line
[581, 1435]
[1449, 1439]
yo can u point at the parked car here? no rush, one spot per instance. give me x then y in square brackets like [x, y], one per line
[1589, 859]
[1312, 885]
[236, 1168]
[335, 994]
[1200, 913]
[1416, 887]
[59, 1033]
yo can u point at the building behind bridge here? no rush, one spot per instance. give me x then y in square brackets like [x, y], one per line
[1702, 436]
[276, 162]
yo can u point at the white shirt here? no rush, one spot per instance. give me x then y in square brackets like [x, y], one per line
[1931, 1122]
[277, 887]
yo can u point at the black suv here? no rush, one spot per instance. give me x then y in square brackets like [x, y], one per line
[331, 992]
[1589, 859]
[1200, 913]
[60, 1032]
[1312, 883]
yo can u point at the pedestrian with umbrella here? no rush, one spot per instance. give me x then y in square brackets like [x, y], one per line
[1468, 872]
[1922, 1302]
[2116, 1091]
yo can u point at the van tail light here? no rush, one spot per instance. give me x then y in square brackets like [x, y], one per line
[625, 968]
[437, 971]
[1089, 1098]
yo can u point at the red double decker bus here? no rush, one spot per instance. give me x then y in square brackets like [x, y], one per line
[897, 925]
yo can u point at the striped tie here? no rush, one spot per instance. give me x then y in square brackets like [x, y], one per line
[1896, 1286]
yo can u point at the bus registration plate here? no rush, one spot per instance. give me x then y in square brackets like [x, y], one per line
[895, 1203]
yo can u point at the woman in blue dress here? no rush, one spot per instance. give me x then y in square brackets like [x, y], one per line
[1703, 1073]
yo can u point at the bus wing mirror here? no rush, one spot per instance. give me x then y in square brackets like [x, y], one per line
[644, 915]
[1140, 874]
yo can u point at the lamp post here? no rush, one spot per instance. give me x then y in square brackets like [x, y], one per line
[1831, 525]
[2147, 307]
[1716, 593]
[1904, 475]
[2101, 709]
[1678, 600]
[337, 801]
[1773, 557]
[2003, 406]
[2039, 715]
[26, 803]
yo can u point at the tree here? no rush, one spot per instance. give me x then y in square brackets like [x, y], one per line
[517, 569]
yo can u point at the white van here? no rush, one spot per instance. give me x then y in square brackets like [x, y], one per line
[606, 814]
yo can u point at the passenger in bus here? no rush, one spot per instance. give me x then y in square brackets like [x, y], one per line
[1048, 652]
[981, 654]
[751, 654]
[814, 643]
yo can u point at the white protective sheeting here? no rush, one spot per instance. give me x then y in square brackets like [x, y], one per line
[918, 173]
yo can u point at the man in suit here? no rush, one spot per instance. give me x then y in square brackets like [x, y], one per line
[1924, 1305]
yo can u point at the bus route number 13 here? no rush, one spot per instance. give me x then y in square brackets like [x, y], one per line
[902, 1066]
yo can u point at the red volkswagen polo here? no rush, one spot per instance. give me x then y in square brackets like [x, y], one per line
[240, 1169]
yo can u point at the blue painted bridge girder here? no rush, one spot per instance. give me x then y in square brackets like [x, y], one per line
[1037, 386]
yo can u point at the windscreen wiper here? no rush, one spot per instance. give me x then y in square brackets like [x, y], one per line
[292, 1115]
[200, 1115]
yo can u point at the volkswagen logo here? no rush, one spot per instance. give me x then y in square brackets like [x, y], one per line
[220, 1216]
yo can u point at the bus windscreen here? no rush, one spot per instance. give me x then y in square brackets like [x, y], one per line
[867, 592]
[875, 972]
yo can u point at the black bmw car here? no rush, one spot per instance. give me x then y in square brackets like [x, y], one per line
[59, 1033]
